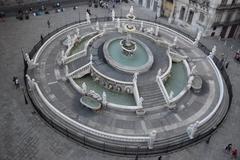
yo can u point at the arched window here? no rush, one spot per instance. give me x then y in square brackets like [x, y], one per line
[182, 12]
[190, 17]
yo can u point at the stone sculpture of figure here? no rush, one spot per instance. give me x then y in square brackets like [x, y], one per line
[77, 32]
[88, 18]
[213, 52]
[152, 137]
[31, 82]
[97, 26]
[159, 72]
[175, 41]
[113, 15]
[61, 58]
[91, 58]
[140, 101]
[104, 26]
[30, 62]
[192, 129]
[171, 94]
[118, 23]
[193, 70]
[156, 31]
[69, 41]
[135, 77]
[197, 38]
[131, 10]
[169, 49]
[190, 80]
[141, 27]
[84, 88]
[104, 98]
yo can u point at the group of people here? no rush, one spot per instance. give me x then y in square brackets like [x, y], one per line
[232, 150]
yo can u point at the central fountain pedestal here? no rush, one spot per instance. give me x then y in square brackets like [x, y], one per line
[128, 46]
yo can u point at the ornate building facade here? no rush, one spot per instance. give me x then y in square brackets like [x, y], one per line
[211, 17]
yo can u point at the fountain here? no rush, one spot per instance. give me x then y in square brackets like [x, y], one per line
[127, 53]
[113, 75]
[128, 46]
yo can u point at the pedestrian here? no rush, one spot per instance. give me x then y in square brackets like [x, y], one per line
[48, 23]
[208, 140]
[160, 158]
[89, 12]
[14, 79]
[228, 147]
[234, 153]
[16, 82]
[226, 66]
[42, 40]
[136, 158]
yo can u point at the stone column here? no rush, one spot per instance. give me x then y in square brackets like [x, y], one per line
[159, 8]
[171, 15]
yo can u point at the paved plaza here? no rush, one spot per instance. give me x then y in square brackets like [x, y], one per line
[25, 135]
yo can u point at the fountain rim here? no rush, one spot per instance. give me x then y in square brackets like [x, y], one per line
[142, 68]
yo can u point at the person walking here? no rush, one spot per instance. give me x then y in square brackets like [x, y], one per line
[160, 158]
[42, 40]
[228, 148]
[234, 153]
[48, 23]
[16, 82]
[226, 65]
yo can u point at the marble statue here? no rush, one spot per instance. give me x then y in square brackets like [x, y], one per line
[84, 88]
[88, 18]
[191, 130]
[113, 15]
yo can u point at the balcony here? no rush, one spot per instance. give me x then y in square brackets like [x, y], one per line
[226, 23]
[228, 6]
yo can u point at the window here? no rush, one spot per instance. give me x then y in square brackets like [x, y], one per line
[224, 2]
[182, 12]
[201, 17]
[190, 17]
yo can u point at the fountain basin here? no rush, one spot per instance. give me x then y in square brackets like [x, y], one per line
[140, 61]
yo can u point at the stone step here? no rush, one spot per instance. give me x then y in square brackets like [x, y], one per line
[153, 104]
[154, 99]
[151, 95]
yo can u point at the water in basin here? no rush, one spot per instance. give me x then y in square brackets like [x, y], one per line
[112, 96]
[139, 57]
[177, 80]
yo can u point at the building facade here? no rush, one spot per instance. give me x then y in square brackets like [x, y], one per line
[211, 17]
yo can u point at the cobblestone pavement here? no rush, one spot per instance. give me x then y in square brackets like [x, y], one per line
[25, 135]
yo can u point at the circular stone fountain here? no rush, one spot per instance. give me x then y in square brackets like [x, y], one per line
[167, 106]
[131, 58]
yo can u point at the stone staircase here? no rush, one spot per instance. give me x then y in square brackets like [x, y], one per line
[74, 65]
[152, 95]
